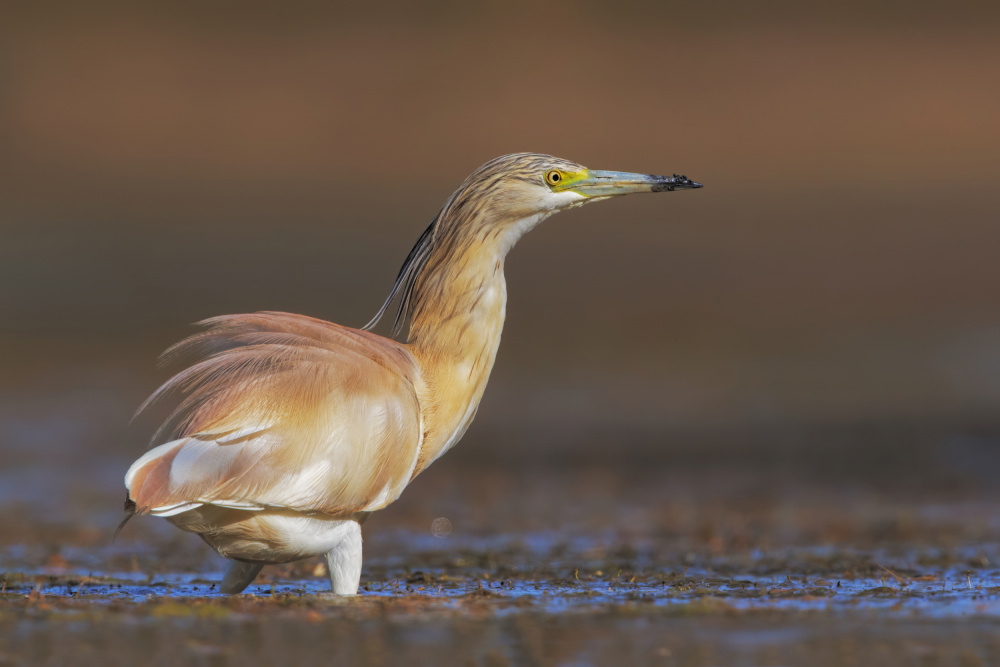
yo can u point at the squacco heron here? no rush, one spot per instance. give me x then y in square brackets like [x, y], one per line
[292, 430]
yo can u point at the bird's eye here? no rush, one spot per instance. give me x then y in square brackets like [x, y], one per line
[553, 177]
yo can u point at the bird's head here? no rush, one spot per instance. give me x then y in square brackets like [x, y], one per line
[502, 200]
[515, 192]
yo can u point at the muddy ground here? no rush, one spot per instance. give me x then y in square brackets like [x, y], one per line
[854, 555]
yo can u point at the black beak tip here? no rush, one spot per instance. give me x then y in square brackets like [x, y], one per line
[676, 182]
[682, 181]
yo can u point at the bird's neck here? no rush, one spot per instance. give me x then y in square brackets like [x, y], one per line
[459, 303]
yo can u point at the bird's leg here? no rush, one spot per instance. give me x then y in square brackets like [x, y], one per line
[344, 562]
[239, 575]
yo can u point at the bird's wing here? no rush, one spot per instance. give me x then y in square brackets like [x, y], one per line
[284, 411]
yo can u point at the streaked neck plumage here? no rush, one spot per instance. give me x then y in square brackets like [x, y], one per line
[457, 309]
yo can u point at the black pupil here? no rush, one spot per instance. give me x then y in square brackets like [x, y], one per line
[554, 177]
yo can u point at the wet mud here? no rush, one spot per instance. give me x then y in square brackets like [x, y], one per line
[593, 564]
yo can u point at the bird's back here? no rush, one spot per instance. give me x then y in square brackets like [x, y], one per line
[284, 413]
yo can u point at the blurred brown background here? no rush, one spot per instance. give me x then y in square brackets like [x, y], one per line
[162, 163]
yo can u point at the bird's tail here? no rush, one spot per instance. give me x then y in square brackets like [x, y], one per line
[130, 511]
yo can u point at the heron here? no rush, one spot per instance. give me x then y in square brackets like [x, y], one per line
[290, 431]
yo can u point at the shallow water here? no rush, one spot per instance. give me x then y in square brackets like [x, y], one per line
[514, 600]
[545, 572]
[952, 593]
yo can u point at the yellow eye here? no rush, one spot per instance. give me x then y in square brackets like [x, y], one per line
[553, 177]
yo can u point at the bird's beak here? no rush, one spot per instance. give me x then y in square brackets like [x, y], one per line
[593, 183]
